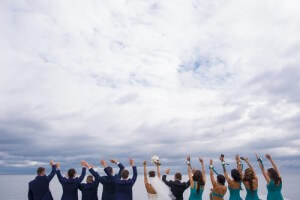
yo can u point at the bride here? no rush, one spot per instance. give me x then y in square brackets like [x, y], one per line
[156, 189]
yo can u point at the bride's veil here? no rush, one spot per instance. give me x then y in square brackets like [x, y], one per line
[162, 190]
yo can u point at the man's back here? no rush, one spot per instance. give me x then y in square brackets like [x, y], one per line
[176, 187]
[89, 190]
[39, 187]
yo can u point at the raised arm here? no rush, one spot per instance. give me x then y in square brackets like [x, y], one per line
[224, 170]
[121, 167]
[83, 171]
[190, 173]
[145, 174]
[158, 171]
[263, 169]
[164, 178]
[211, 173]
[52, 173]
[203, 169]
[268, 156]
[59, 176]
[110, 177]
[250, 166]
[134, 170]
[238, 164]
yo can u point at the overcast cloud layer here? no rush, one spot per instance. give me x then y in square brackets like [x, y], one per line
[98, 79]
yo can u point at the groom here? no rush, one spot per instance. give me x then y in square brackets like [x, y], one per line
[122, 182]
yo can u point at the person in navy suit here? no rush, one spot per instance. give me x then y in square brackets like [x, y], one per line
[70, 185]
[89, 189]
[122, 182]
[109, 188]
[177, 187]
[39, 187]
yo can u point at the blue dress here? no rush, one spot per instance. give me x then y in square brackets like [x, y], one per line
[274, 191]
[251, 194]
[234, 193]
[194, 195]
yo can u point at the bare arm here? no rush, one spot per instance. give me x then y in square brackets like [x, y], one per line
[263, 170]
[238, 164]
[211, 173]
[203, 169]
[273, 164]
[190, 174]
[225, 172]
[145, 174]
[250, 166]
[158, 171]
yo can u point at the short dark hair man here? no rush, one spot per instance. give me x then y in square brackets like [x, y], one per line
[39, 187]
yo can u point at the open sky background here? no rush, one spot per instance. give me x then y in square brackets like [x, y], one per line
[91, 79]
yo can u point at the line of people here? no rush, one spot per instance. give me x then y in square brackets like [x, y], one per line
[119, 186]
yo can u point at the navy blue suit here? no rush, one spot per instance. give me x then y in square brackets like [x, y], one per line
[177, 187]
[109, 188]
[89, 190]
[70, 185]
[39, 187]
[123, 187]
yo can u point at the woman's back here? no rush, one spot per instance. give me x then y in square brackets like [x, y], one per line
[234, 191]
[196, 195]
[274, 191]
[251, 192]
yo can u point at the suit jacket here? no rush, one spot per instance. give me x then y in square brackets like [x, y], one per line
[39, 187]
[177, 187]
[89, 190]
[70, 185]
[123, 187]
[109, 188]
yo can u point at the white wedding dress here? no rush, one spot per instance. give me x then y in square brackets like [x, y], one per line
[162, 191]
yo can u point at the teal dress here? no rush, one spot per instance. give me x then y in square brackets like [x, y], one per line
[274, 191]
[234, 194]
[194, 195]
[252, 195]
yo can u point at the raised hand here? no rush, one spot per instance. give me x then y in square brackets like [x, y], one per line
[222, 158]
[243, 158]
[268, 156]
[58, 165]
[167, 171]
[114, 161]
[91, 166]
[83, 163]
[257, 157]
[211, 162]
[145, 163]
[131, 163]
[103, 163]
[51, 162]
[188, 158]
[200, 160]
[237, 157]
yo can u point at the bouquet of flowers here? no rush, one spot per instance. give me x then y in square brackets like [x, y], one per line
[155, 160]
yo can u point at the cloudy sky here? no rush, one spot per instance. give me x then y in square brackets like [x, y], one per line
[90, 79]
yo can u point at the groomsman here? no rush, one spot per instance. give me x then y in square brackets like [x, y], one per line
[177, 187]
[109, 188]
[39, 187]
[71, 184]
[89, 189]
[123, 183]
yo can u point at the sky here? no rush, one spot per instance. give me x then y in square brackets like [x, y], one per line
[90, 79]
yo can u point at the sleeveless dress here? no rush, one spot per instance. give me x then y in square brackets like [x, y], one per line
[274, 191]
[213, 194]
[152, 196]
[252, 195]
[194, 195]
[234, 194]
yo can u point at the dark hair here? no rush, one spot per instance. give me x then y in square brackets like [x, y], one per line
[248, 177]
[109, 169]
[236, 175]
[198, 176]
[40, 170]
[125, 174]
[151, 173]
[178, 176]
[71, 173]
[89, 179]
[221, 179]
[274, 176]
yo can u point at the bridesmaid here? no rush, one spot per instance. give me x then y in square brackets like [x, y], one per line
[219, 188]
[273, 178]
[250, 181]
[197, 181]
[234, 184]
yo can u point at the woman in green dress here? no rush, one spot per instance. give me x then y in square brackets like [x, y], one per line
[219, 189]
[250, 181]
[273, 178]
[234, 184]
[197, 181]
